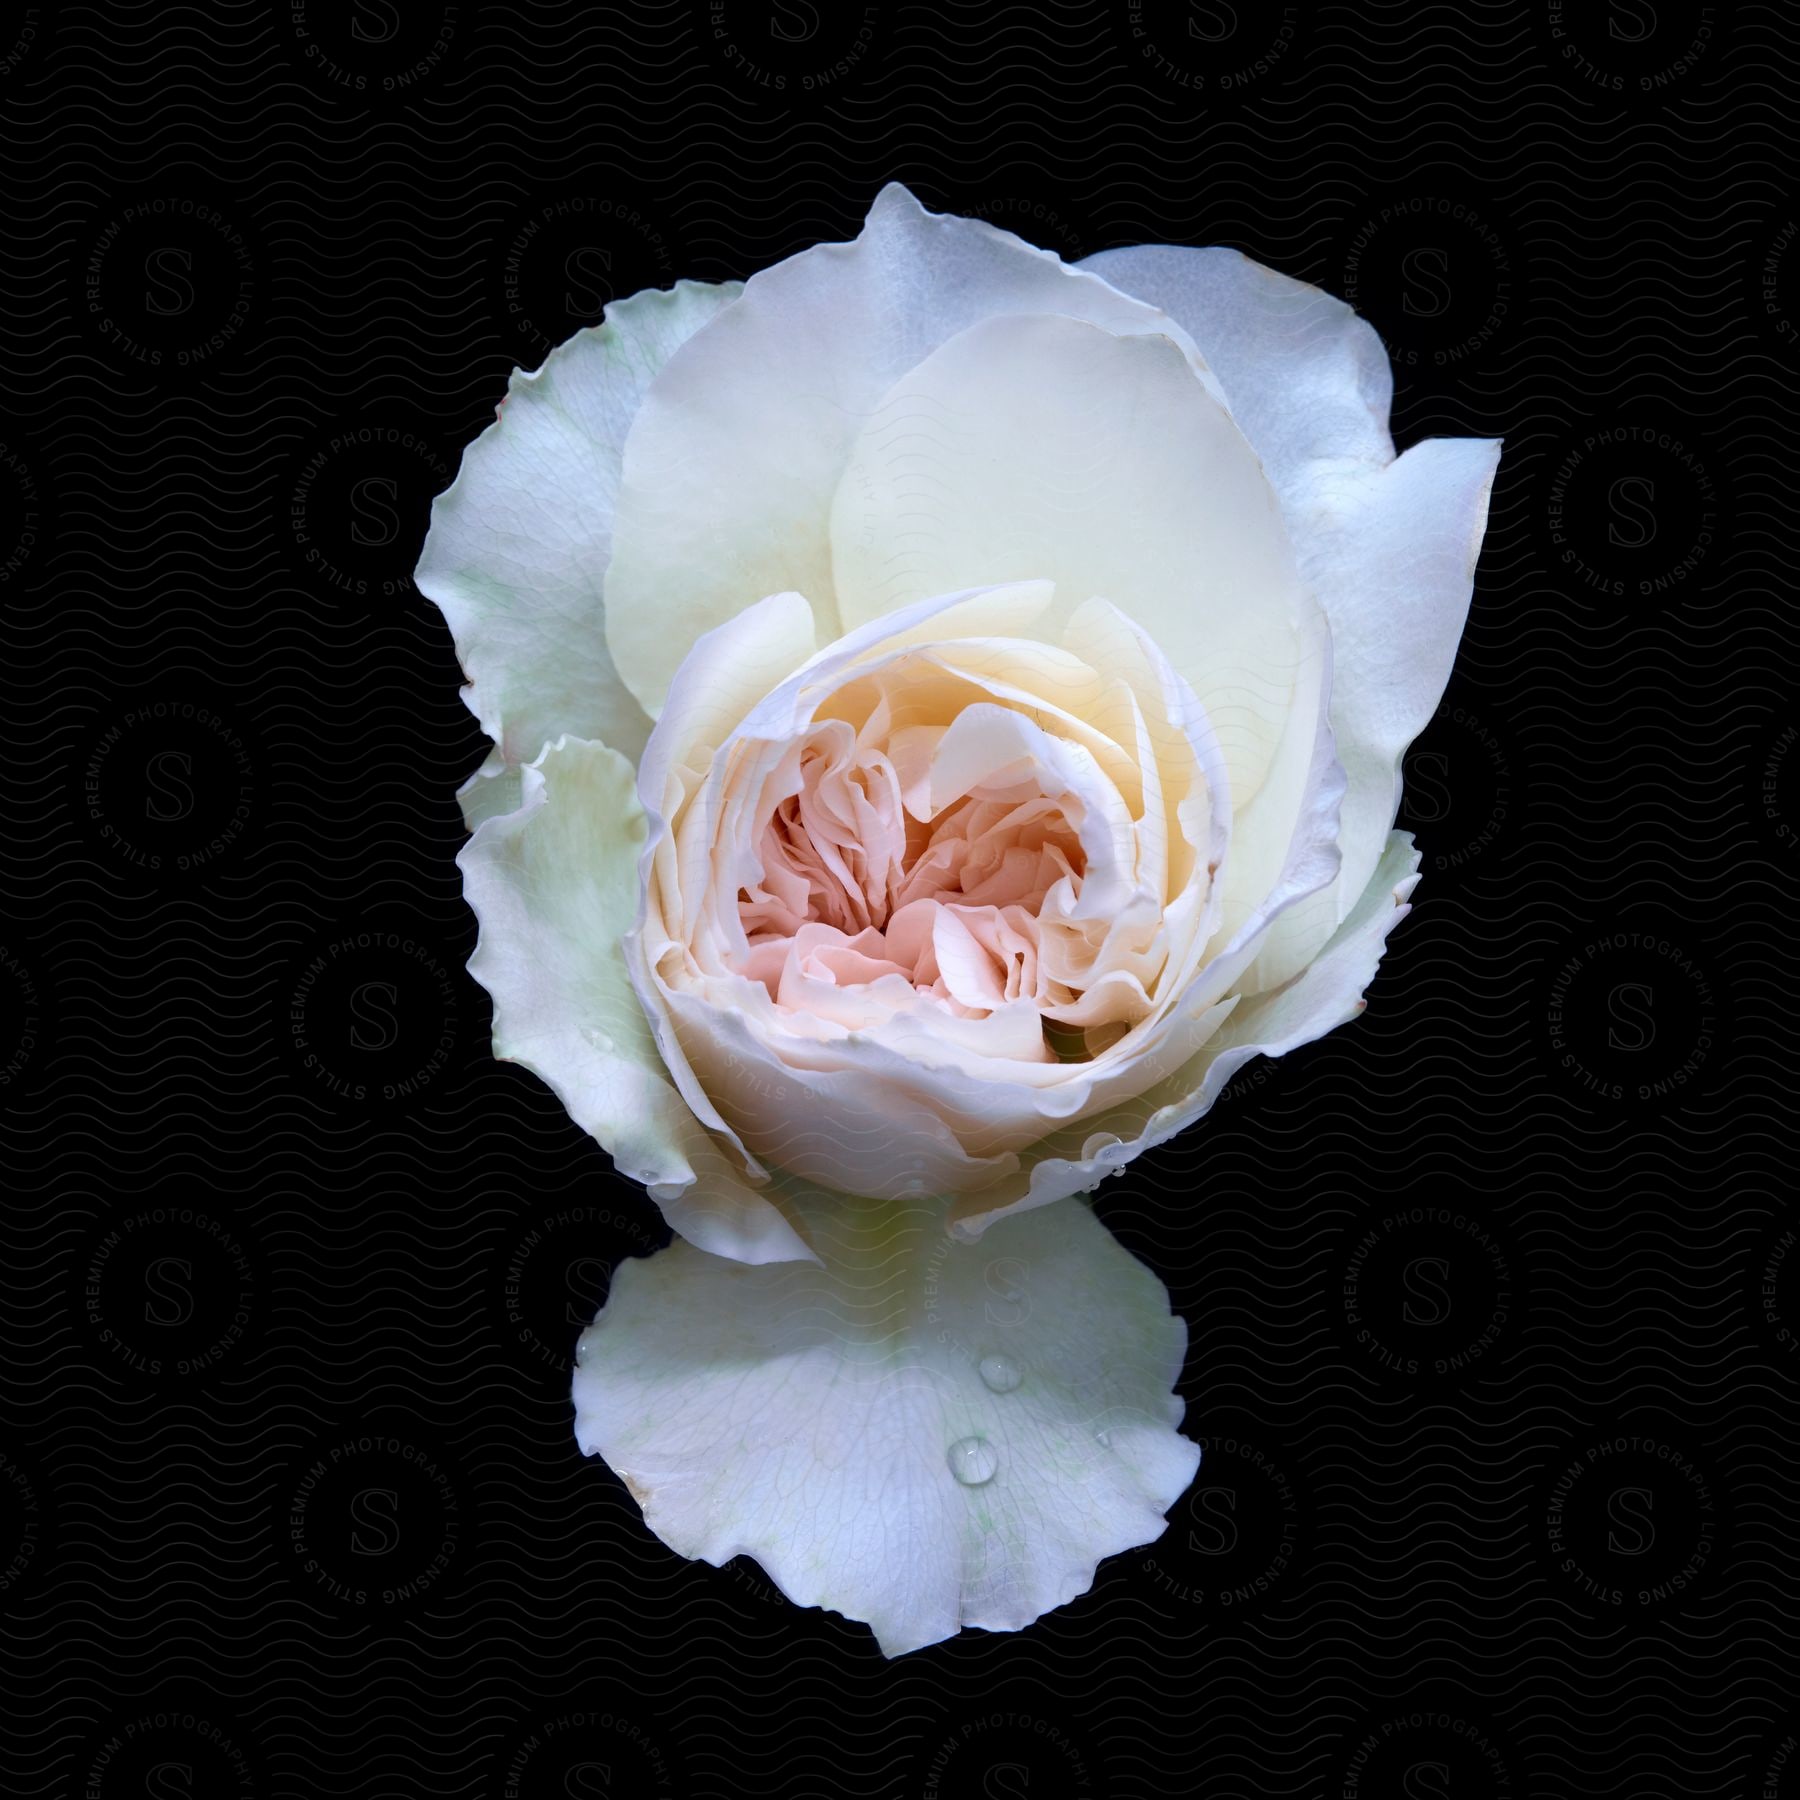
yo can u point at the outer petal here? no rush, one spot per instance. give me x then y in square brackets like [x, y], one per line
[1325, 996]
[920, 1434]
[1394, 556]
[519, 542]
[495, 789]
[732, 464]
[1307, 380]
[1389, 546]
[555, 888]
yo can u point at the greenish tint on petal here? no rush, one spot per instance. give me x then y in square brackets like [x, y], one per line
[518, 547]
[554, 885]
[494, 790]
[914, 1432]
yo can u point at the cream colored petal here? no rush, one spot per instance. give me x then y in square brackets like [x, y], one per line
[732, 463]
[1388, 546]
[1048, 448]
[722, 679]
[822, 1111]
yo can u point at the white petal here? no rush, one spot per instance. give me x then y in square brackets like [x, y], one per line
[1326, 995]
[519, 542]
[1396, 554]
[1045, 448]
[816, 1418]
[555, 885]
[1388, 546]
[1306, 379]
[839, 1122]
[732, 463]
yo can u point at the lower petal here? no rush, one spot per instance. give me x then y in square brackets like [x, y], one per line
[914, 1432]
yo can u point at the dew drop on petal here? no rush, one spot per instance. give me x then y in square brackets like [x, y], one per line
[973, 1462]
[1001, 1373]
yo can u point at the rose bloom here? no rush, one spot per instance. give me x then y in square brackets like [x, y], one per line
[947, 712]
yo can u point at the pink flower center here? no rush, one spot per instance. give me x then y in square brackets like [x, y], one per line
[857, 890]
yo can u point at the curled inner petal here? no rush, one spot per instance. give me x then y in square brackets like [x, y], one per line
[862, 881]
[925, 843]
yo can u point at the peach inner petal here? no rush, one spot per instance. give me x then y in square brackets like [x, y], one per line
[982, 853]
[858, 890]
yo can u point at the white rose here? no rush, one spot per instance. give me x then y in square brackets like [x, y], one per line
[948, 710]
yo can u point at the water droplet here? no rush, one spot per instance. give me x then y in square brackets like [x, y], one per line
[1105, 1438]
[1001, 1373]
[973, 1462]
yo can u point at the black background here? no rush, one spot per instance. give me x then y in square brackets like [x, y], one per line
[1494, 1303]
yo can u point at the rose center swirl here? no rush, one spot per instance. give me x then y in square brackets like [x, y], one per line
[862, 881]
